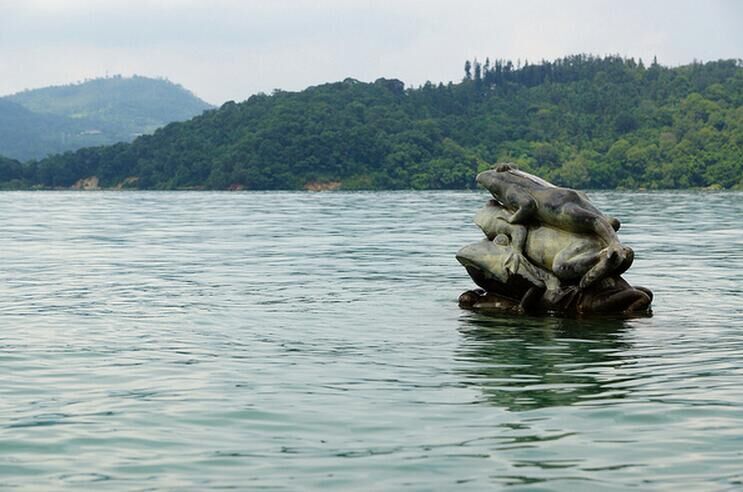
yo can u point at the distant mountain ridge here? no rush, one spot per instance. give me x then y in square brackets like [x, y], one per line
[38, 122]
[579, 121]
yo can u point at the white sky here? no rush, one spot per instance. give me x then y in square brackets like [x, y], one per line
[231, 49]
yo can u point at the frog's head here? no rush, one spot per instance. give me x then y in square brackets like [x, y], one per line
[495, 180]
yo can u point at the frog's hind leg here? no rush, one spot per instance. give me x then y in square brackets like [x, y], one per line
[574, 261]
[580, 219]
[608, 262]
[647, 291]
[625, 301]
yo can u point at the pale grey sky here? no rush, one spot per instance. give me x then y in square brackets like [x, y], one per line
[231, 49]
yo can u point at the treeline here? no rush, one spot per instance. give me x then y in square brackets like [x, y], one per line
[581, 121]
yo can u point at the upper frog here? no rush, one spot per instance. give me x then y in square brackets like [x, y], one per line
[532, 199]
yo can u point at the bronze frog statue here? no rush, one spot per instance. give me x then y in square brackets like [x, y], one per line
[547, 249]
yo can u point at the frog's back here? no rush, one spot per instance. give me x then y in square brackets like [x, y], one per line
[505, 181]
[529, 180]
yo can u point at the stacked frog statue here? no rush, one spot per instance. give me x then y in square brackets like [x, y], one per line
[547, 249]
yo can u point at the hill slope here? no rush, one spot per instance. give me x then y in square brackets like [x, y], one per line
[580, 121]
[22, 130]
[95, 112]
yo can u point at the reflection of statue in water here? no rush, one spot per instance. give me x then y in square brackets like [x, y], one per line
[555, 252]
[525, 364]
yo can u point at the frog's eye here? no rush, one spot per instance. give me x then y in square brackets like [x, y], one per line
[502, 240]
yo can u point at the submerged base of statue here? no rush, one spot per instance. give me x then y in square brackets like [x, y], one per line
[615, 297]
[547, 250]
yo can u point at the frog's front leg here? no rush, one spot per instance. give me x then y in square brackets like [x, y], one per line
[524, 204]
[517, 233]
[530, 300]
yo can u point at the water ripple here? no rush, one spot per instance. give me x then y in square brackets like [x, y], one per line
[311, 341]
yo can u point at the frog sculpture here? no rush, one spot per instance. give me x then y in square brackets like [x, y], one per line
[547, 249]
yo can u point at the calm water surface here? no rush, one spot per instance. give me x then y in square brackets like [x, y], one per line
[293, 341]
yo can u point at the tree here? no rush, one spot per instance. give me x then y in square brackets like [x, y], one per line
[625, 122]
[467, 70]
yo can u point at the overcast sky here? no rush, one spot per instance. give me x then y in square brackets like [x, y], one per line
[230, 49]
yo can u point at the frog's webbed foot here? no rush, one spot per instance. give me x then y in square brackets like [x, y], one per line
[615, 252]
[512, 262]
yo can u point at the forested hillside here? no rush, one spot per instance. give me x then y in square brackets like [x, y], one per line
[22, 132]
[580, 121]
[39, 122]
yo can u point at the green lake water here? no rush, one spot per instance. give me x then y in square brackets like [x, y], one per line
[295, 341]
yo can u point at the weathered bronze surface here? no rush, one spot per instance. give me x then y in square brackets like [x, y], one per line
[547, 249]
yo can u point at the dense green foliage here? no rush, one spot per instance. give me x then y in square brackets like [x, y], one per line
[39, 122]
[13, 169]
[580, 121]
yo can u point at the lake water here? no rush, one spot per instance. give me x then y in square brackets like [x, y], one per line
[294, 341]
